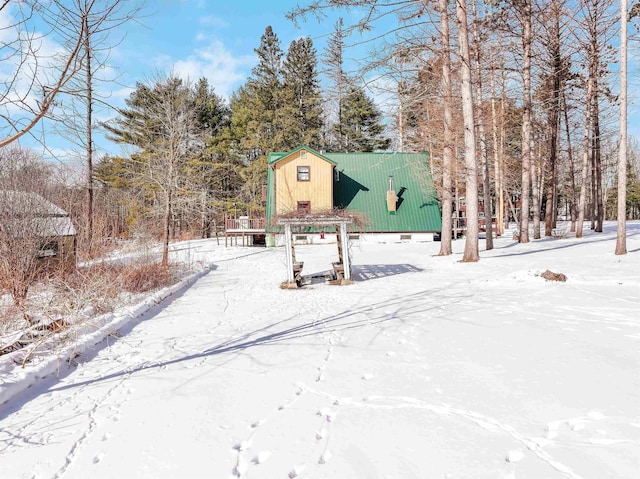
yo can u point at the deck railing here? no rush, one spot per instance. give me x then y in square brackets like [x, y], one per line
[460, 223]
[244, 223]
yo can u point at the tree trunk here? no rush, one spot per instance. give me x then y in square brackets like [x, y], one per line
[89, 131]
[598, 207]
[573, 207]
[166, 228]
[621, 235]
[503, 134]
[484, 160]
[536, 167]
[447, 154]
[471, 173]
[553, 121]
[585, 160]
[496, 157]
[526, 123]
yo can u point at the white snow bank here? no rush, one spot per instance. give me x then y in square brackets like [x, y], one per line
[45, 358]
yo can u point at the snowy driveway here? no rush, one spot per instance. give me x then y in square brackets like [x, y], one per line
[424, 368]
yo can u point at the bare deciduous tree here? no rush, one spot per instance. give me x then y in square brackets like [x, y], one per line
[448, 159]
[36, 76]
[471, 173]
[96, 21]
[621, 241]
[28, 222]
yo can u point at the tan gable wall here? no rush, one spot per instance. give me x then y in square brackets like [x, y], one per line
[288, 190]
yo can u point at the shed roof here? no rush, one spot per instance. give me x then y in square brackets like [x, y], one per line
[362, 184]
[44, 217]
[33, 202]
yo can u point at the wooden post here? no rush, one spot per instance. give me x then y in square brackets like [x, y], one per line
[289, 252]
[345, 251]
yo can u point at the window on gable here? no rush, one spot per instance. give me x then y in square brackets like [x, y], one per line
[304, 173]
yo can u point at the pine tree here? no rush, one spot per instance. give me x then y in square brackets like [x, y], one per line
[361, 123]
[212, 175]
[254, 107]
[160, 121]
[339, 82]
[212, 113]
[301, 113]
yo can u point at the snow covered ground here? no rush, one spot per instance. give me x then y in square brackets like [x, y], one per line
[424, 368]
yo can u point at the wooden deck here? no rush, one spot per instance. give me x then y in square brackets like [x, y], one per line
[245, 228]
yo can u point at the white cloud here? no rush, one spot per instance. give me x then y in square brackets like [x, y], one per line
[214, 62]
[211, 20]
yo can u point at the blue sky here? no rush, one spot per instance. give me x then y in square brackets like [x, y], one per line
[216, 39]
[212, 38]
[198, 38]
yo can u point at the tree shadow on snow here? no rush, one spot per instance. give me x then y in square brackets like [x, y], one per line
[550, 244]
[365, 272]
[395, 311]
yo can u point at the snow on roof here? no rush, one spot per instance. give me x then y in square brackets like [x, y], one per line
[49, 219]
[54, 226]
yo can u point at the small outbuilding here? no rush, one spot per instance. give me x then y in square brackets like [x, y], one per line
[27, 217]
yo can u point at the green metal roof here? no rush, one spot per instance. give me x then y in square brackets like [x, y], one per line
[362, 184]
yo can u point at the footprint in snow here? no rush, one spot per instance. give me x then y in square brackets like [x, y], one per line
[239, 469]
[107, 436]
[98, 457]
[327, 413]
[262, 457]
[514, 456]
[296, 471]
[324, 458]
[242, 446]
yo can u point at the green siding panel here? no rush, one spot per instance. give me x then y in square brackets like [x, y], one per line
[363, 181]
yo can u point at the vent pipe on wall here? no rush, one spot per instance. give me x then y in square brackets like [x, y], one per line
[391, 198]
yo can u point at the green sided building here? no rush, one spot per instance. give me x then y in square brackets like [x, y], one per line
[392, 192]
